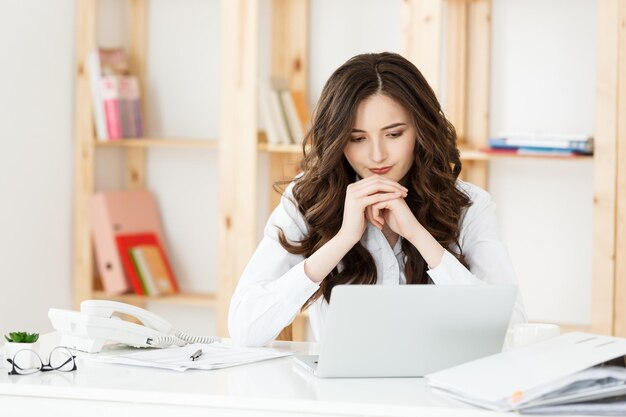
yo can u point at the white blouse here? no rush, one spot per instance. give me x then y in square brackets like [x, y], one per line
[274, 287]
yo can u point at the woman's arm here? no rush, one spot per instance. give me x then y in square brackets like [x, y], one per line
[485, 253]
[275, 284]
[359, 196]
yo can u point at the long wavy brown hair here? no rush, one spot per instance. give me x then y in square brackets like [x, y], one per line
[320, 191]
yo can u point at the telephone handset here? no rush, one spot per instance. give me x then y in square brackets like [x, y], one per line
[95, 324]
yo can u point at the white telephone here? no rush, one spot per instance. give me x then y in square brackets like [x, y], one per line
[89, 329]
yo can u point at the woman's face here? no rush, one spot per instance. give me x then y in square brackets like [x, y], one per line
[383, 139]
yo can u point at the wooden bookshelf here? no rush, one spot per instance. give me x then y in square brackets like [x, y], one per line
[86, 146]
[192, 299]
[468, 28]
[466, 154]
[160, 143]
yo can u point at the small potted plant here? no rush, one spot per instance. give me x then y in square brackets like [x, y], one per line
[16, 341]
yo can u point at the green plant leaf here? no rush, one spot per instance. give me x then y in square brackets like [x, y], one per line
[22, 337]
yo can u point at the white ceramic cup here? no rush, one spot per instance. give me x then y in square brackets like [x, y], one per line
[528, 333]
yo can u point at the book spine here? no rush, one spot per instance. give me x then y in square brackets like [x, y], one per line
[265, 108]
[134, 97]
[107, 258]
[278, 115]
[144, 272]
[291, 113]
[138, 271]
[304, 112]
[129, 268]
[126, 107]
[110, 97]
[93, 69]
[168, 267]
[566, 145]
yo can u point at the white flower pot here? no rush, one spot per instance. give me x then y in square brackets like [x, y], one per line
[10, 349]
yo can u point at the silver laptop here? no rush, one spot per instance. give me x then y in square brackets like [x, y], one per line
[410, 330]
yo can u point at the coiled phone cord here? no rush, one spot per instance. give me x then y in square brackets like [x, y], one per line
[197, 339]
[180, 339]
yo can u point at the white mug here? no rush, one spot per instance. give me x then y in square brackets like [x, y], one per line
[528, 333]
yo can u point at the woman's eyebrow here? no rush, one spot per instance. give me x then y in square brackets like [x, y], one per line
[391, 126]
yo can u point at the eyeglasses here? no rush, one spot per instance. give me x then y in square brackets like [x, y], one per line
[27, 361]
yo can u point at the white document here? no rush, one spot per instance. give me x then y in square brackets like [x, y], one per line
[214, 356]
[555, 371]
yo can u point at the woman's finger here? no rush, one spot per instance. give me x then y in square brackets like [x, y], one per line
[377, 211]
[370, 217]
[376, 180]
[371, 200]
[377, 187]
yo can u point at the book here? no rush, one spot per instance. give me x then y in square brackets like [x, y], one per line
[153, 269]
[159, 266]
[575, 143]
[574, 368]
[267, 117]
[130, 106]
[537, 152]
[101, 62]
[277, 113]
[296, 129]
[93, 70]
[113, 61]
[119, 212]
[110, 97]
[115, 95]
[302, 106]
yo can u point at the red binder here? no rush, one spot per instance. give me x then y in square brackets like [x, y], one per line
[127, 242]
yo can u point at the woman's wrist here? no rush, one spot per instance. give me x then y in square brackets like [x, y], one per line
[346, 238]
[326, 258]
[427, 245]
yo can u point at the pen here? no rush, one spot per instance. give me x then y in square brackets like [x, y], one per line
[196, 355]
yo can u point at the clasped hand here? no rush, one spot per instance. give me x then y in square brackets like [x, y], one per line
[380, 201]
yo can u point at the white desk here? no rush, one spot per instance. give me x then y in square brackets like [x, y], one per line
[275, 387]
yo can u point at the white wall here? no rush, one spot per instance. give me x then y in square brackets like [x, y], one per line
[36, 102]
[543, 78]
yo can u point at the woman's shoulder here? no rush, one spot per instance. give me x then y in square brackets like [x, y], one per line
[287, 213]
[476, 194]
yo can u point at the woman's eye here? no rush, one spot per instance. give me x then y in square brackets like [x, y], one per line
[357, 139]
[394, 135]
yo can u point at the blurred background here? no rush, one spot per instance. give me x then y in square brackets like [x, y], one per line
[543, 58]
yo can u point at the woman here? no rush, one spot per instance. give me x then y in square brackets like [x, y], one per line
[378, 202]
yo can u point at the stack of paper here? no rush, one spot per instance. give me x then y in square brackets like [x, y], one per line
[214, 356]
[575, 369]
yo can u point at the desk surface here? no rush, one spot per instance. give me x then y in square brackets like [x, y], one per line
[274, 387]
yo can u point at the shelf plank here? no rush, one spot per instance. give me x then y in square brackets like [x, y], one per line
[160, 143]
[193, 299]
[490, 155]
[467, 154]
[291, 148]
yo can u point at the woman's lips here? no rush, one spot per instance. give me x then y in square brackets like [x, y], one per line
[380, 171]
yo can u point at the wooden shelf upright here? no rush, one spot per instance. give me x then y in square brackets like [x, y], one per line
[466, 80]
[135, 151]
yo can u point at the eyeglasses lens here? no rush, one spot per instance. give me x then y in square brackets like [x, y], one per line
[27, 362]
[61, 359]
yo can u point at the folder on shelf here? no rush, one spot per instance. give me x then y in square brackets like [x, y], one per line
[145, 264]
[120, 213]
[574, 369]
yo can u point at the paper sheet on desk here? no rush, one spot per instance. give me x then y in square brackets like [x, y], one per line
[214, 356]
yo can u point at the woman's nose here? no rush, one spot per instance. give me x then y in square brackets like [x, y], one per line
[377, 151]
